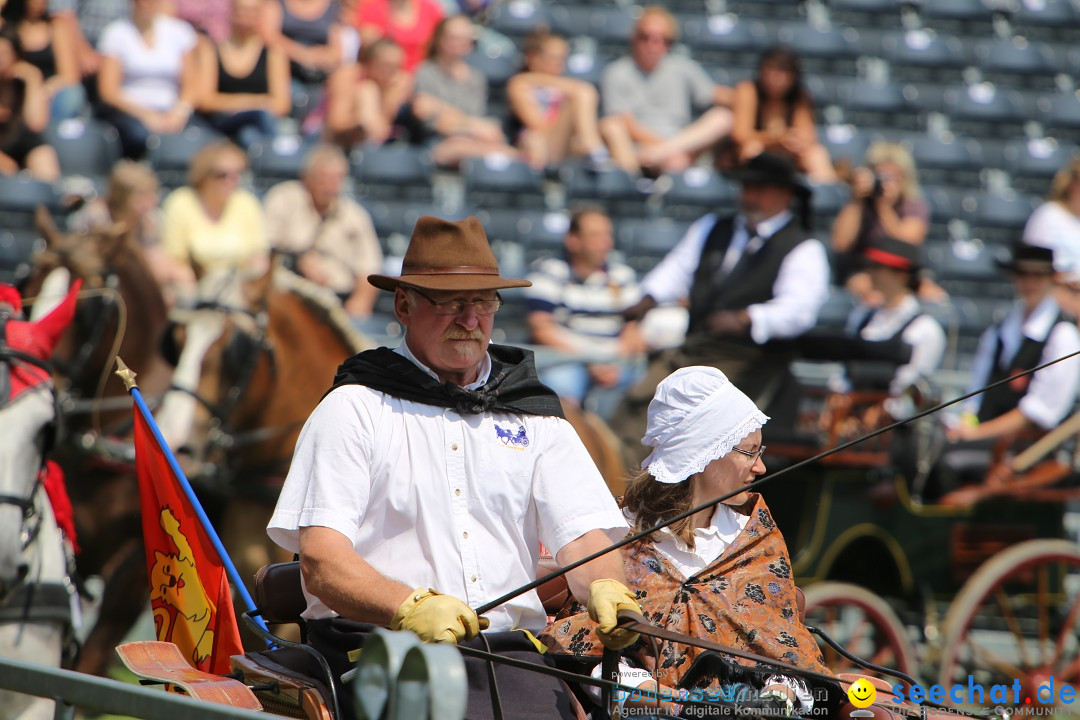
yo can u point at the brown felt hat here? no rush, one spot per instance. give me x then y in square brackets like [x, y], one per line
[448, 255]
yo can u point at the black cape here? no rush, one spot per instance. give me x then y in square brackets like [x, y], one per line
[513, 385]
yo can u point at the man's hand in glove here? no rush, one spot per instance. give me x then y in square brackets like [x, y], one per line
[606, 598]
[437, 618]
[638, 310]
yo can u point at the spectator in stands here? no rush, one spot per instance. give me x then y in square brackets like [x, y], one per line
[84, 21]
[558, 116]
[753, 280]
[244, 83]
[131, 199]
[148, 82]
[326, 235]
[409, 23]
[49, 46]
[575, 305]
[213, 223]
[1034, 332]
[371, 101]
[309, 33]
[24, 114]
[885, 201]
[209, 17]
[775, 112]
[451, 97]
[898, 332]
[1056, 223]
[649, 99]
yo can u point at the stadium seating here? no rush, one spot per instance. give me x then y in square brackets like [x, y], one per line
[88, 148]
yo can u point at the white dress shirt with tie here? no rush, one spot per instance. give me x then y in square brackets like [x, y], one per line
[801, 286]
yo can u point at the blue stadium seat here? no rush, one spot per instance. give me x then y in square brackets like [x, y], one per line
[614, 189]
[866, 13]
[88, 148]
[972, 17]
[836, 310]
[981, 109]
[610, 26]
[1016, 62]
[878, 104]
[396, 171]
[645, 242]
[1061, 116]
[538, 234]
[497, 64]
[947, 159]
[822, 50]
[277, 160]
[845, 142]
[697, 191]
[923, 55]
[17, 248]
[497, 179]
[20, 197]
[1032, 164]
[947, 203]
[1054, 20]
[519, 17]
[722, 39]
[587, 66]
[825, 203]
[999, 218]
[170, 155]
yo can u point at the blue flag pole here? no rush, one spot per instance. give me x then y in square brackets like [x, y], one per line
[234, 576]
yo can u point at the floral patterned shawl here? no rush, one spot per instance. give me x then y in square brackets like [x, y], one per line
[745, 599]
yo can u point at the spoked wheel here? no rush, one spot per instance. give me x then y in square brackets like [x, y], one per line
[1016, 618]
[862, 623]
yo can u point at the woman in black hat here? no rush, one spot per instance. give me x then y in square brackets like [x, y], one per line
[1034, 332]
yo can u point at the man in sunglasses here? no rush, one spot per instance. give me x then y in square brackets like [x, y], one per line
[425, 481]
[649, 99]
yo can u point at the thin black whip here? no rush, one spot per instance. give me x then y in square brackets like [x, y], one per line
[489, 606]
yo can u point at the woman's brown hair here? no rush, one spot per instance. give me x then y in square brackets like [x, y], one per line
[651, 503]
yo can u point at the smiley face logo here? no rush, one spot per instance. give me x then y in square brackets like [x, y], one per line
[862, 693]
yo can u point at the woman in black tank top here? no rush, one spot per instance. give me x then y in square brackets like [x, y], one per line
[50, 47]
[245, 83]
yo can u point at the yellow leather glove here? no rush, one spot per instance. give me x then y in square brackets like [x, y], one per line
[606, 598]
[437, 618]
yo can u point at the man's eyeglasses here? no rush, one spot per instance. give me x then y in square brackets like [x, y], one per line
[755, 454]
[223, 174]
[456, 307]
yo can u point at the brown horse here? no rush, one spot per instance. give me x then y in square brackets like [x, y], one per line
[120, 311]
[265, 359]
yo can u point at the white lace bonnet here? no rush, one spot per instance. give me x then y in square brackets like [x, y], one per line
[695, 417]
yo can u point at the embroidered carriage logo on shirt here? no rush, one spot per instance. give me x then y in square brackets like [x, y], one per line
[514, 440]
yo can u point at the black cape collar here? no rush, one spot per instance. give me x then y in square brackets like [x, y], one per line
[513, 385]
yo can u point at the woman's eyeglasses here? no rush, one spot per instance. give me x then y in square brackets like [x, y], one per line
[226, 174]
[657, 37]
[755, 454]
[456, 307]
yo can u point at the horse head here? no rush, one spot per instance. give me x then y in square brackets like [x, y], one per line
[258, 353]
[121, 312]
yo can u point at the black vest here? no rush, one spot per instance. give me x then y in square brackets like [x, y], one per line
[1003, 398]
[877, 374]
[750, 281]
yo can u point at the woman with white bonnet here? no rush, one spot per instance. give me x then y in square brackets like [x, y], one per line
[722, 574]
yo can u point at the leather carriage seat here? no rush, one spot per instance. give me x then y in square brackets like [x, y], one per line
[279, 593]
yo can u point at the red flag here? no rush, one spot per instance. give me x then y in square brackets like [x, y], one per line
[189, 588]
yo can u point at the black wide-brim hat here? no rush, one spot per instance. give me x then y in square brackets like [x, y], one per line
[1026, 258]
[893, 253]
[769, 168]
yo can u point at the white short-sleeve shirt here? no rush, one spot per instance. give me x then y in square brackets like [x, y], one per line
[151, 73]
[433, 498]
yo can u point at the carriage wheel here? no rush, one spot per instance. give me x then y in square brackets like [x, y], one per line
[1017, 617]
[861, 622]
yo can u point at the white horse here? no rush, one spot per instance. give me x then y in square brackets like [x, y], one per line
[35, 589]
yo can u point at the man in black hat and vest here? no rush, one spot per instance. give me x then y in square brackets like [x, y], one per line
[754, 281]
[1034, 332]
[424, 482]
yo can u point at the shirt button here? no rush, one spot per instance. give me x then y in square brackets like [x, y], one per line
[465, 534]
[458, 492]
[474, 578]
[454, 446]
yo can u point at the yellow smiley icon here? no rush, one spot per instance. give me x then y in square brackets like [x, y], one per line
[862, 693]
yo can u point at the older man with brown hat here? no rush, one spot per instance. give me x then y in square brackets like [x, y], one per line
[424, 482]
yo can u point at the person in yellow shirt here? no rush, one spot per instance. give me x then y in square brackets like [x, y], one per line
[212, 223]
